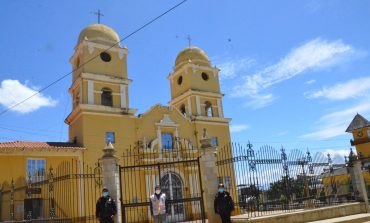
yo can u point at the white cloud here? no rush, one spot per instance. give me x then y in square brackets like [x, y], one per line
[310, 82]
[282, 133]
[335, 123]
[238, 128]
[13, 92]
[233, 68]
[351, 89]
[312, 55]
[259, 101]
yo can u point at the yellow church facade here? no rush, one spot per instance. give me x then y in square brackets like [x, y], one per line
[101, 109]
[101, 114]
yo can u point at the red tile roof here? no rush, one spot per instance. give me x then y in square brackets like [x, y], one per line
[39, 145]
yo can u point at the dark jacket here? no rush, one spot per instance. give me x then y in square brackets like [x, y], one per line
[105, 208]
[223, 203]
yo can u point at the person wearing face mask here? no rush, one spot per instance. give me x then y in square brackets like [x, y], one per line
[158, 205]
[224, 204]
[106, 208]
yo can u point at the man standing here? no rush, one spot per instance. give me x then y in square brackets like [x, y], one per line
[224, 204]
[158, 205]
[106, 208]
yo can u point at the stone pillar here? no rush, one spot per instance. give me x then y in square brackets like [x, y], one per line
[358, 183]
[209, 177]
[110, 172]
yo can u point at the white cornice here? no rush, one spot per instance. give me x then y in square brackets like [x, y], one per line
[194, 67]
[195, 92]
[211, 119]
[122, 51]
[105, 78]
[98, 110]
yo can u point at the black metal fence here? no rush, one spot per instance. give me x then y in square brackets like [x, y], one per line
[268, 181]
[176, 170]
[67, 193]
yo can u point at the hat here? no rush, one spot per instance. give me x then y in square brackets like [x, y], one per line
[105, 189]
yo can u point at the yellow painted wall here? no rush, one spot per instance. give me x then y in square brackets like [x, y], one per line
[116, 67]
[16, 165]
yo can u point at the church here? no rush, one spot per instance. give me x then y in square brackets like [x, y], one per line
[101, 114]
[101, 111]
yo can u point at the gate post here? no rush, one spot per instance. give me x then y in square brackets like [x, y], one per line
[358, 182]
[110, 173]
[209, 176]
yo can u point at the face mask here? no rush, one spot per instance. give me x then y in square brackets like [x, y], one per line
[105, 194]
[221, 190]
[157, 191]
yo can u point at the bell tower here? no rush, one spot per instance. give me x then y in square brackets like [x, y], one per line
[99, 83]
[360, 129]
[195, 86]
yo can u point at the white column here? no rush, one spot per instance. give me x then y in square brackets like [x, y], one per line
[90, 92]
[219, 107]
[159, 136]
[177, 143]
[81, 95]
[123, 90]
[197, 99]
[189, 106]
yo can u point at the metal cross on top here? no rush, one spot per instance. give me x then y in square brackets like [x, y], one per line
[99, 15]
[189, 40]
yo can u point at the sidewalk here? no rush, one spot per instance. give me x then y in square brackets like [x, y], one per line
[357, 218]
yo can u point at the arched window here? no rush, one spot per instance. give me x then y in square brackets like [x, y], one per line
[106, 97]
[208, 109]
[183, 110]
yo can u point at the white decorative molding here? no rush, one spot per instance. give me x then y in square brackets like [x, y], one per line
[123, 90]
[121, 53]
[189, 106]
[197, 100]
[105, 78]
[81, 95]
[195, 92]
[90, 47]
[215, 71]
[159, 137]
[219, 107]
[195, 67]
[166, 121]
[90, 92]
[115, 48]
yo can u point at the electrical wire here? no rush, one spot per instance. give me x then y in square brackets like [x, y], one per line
[88, 61]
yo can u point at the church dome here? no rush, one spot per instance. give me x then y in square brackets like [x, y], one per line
[98, 33]
[192, 54]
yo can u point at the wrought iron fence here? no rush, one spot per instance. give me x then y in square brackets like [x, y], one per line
[67, 193]
[176, 170]
[268, 181]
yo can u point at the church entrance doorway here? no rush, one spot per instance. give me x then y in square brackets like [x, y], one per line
[172, 186]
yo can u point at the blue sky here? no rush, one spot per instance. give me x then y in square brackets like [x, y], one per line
[294, 73]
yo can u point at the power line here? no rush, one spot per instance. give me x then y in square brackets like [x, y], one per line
[69, 73]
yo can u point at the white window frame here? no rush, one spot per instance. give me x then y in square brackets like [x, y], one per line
[35, 178]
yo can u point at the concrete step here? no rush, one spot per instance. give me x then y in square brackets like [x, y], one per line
[357, 218]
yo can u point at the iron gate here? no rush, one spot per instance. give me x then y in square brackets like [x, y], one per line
[179, 178]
